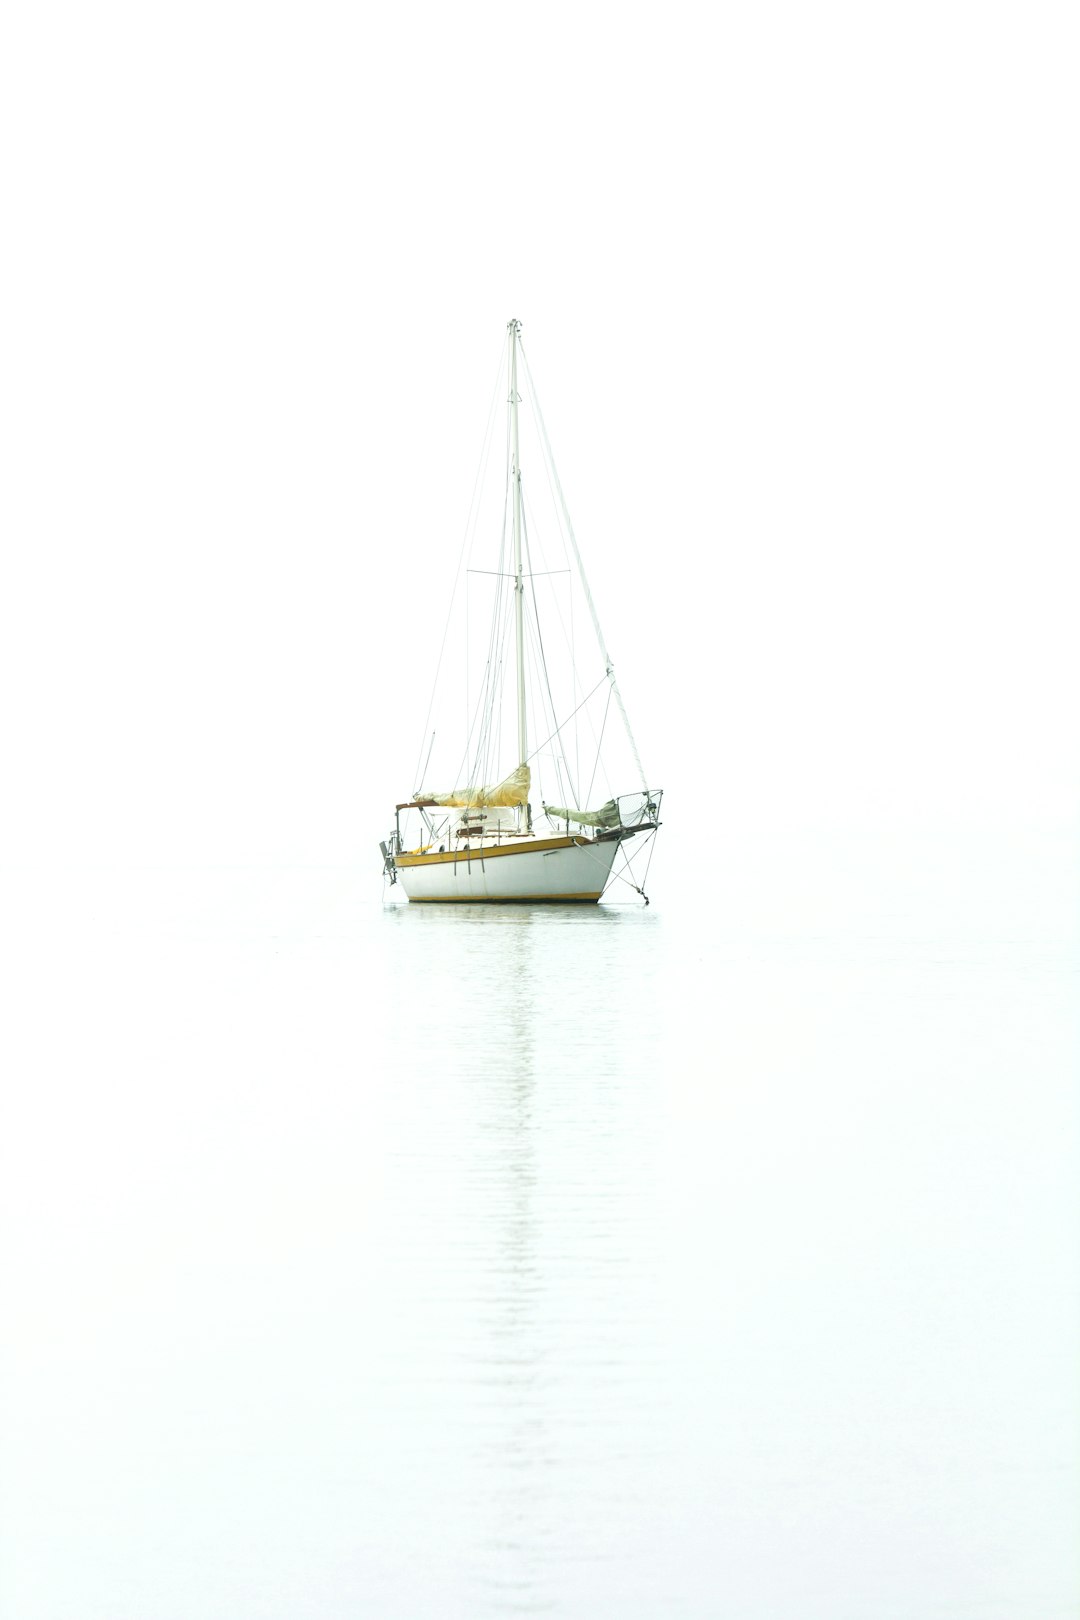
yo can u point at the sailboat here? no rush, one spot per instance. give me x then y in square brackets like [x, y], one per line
[483, 839]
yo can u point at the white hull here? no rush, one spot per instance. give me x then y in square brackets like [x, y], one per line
[568, 870]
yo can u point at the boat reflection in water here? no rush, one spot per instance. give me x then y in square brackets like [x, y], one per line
[541, 1359]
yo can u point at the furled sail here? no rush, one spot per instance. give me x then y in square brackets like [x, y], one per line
[505, 795]
[606, 816]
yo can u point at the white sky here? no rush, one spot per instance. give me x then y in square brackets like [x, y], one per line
[798, 287]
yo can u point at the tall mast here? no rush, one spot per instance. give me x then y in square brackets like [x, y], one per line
[519, 583]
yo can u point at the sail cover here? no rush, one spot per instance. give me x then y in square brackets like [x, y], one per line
[606, 816]
[505, 795]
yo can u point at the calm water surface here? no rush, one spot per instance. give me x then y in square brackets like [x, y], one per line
[699, 1260]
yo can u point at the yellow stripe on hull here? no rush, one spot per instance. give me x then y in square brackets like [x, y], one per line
[504, 899]
[535, 846]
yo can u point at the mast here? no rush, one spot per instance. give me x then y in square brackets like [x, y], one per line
[519, 583]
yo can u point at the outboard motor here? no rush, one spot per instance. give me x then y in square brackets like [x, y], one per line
[388, 852]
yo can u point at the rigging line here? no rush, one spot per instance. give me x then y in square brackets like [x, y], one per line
[475, 518]
[574, 688]
[491, 723]
[463, 764]
[570, 716]
[483, 699]
[539, 574]
[537, 639]
[536, 691]
[492, 666]
[648, 863]
[611, 874]
[600, 744]
[500, 607]
[495, 635]
[628, 868]
[486, 700]
[629, 860]
[472, 543]
[581, 571]
[476, 748]
[427, 762]
[490, 678]
[568, 643]
[532, 663]
[544, 667]
[493, 753]
[531, 632]
[551, 491]
[650, 845]
[484, 449]
[568, 640]
[491, 684]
